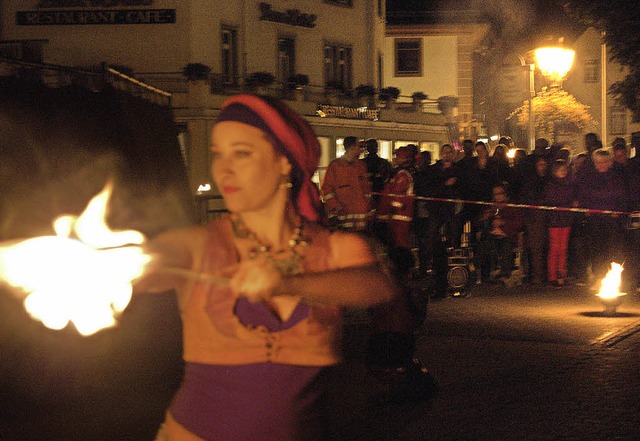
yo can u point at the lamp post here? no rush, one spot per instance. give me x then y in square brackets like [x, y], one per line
[532, 94]
[603, 89]
[554, 62]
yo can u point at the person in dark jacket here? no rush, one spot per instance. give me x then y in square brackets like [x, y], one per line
[559, 191]
[500, 226]
[499, 165]
[379, 170]
[536, 221]
[440, 180]
[602, 188]
[477, 181]
[631, 280]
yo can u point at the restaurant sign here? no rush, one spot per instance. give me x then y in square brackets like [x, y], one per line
[96, 17]
[291, 17]
[54, 12]
[326, 111]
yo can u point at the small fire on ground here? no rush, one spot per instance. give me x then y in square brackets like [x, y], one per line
[609, 294]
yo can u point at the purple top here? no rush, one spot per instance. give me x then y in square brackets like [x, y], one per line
[247, 402]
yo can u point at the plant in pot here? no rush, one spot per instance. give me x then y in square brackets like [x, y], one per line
[259, 81]
[335, 85]
[297, 83]
[389, 95]
[446, 104]
[419, 96]
[365, 93]
[334, 89]
[196, 71]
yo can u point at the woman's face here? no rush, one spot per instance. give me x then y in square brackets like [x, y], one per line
[245, 166]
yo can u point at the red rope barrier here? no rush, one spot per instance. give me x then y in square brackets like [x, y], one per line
[508, 204]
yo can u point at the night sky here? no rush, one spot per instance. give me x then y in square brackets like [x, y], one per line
[517, 21]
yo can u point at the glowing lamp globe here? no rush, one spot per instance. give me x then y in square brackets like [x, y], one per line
[554, 62]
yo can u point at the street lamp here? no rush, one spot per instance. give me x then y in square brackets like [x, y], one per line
[554, 63]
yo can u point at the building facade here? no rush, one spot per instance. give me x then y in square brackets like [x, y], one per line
[591, 77]
[334, 45]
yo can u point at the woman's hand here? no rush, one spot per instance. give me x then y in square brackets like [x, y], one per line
[255, 279]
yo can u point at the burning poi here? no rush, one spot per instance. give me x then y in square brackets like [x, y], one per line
[82, 275]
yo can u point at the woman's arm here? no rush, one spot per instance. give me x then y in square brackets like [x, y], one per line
[357, 280]
[171, 252]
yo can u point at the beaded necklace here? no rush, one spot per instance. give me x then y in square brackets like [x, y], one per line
[287, 261]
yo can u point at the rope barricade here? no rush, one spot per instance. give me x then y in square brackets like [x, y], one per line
[509, 204]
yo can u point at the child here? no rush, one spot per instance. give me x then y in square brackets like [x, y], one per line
[559, 191]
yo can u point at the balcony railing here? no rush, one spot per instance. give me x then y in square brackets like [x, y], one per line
[61, 76]
[175, 82]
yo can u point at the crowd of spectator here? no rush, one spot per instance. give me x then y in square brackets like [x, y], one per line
[502, 195]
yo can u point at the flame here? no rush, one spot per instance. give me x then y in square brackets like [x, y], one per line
[610, 287]
[84, 279]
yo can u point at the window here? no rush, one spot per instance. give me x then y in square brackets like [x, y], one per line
[229, 56]
[591, 71]
[184, 142]
[345, 3]
[337, 65]
[286, 59]
[385, 149]
[618, 121]
[379, 69]
[408, 57]
[325, 159]
[430, 146]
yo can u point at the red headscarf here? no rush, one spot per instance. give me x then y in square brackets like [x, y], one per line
[293, 137]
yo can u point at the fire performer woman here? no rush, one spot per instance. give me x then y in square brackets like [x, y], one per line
[256, 347]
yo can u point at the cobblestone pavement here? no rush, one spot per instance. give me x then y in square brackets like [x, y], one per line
[530, 364]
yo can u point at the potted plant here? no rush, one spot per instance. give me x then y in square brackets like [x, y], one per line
[260, 81]
[446, 104]
[389, 95]
[365, 94]
[334, 89]
[297, 84]
[419, 96]
[365, 90]
[298, 81]
[196, 71]
[197, 75]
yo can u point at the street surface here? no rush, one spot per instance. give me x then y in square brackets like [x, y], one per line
[527, 363]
